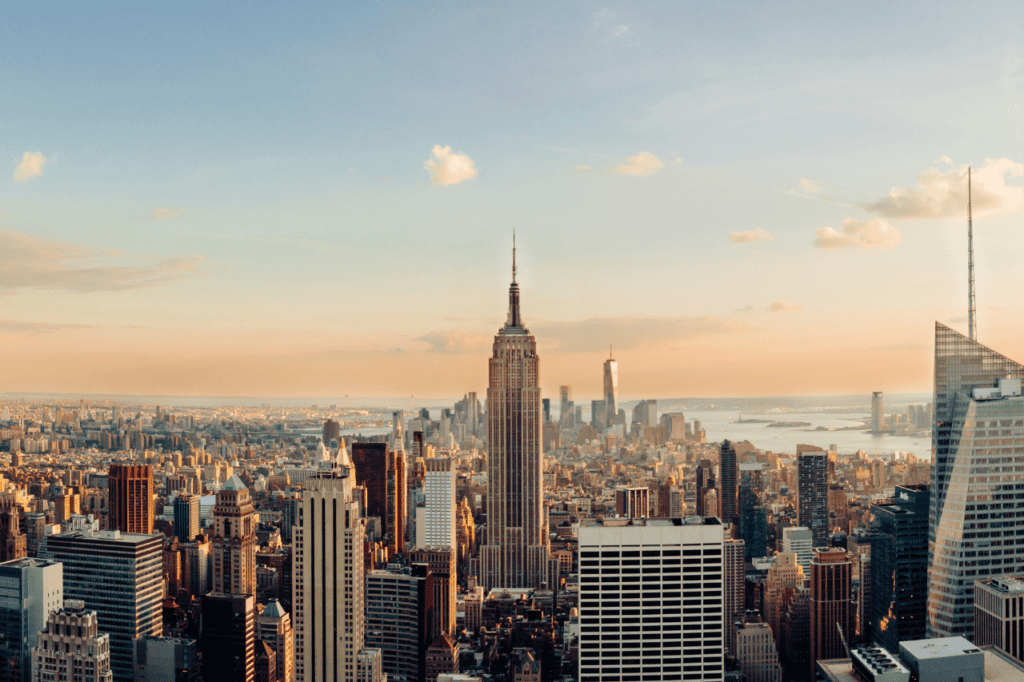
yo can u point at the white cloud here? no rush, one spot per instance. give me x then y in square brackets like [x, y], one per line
[784, 307]
[447, 168]
[872, 234]
[644, 163]
[808, 185]
[943, 194]
[455, 342]
[618, 31]
[31, 166]
[756, 235]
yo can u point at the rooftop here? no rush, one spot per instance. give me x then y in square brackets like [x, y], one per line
[940, 647]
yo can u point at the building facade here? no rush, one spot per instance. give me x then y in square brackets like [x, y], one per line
[329, 580]
[32, 589]
[651, 600]
[437, 527]
[234, 540]
[977, 444]
[517, 549]
[72, 648]
[399, 602]
[831, 604]
[229, 633]
[130, 492]
[120, 577]
[899, 568]
[812, 477]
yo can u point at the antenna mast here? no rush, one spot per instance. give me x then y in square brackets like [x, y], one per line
[513, 256]
[972, 323]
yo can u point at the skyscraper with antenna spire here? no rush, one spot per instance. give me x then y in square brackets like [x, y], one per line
[972, 322]
[517, 547]
[611, 386]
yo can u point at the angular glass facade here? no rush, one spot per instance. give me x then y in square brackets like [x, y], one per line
[899, 568]
[977, 500]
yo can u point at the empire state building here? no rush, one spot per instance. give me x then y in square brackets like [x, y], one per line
[517, 549]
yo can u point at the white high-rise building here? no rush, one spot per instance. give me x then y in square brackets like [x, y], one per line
[72, 647]
[651, 599]
[435, 521]
[328, 578]
[800, 541]
[756, 652]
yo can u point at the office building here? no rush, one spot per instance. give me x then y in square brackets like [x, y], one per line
[979, 413]
[229, 632]
[72, 648]
[645, 413]
[611, 388]
[734, 586]
[195, 567]
[120, 577]
[381, 473]
[812, 476]
[632, 502]
[517, 549]
[369, 666]
[274, 628]
[651, 600]
[756, 652]
[13, 542]
[598, 415]
[784, 574]
[899, 568]
[32, 590]
[945, 659]
[831, 604]
[800, 541]
[332, 433]
[329, 585]
[435, 520]
[234, 540]
[566, 408]
[877, 412]
[999, 614]
[166, 659]
[441, 563]
[130, 494]
[705, 484]
[728, 472]
[399, 604]
[186, 517]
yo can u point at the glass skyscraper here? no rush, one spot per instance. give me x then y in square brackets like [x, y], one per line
[976, 519]
[899, 567]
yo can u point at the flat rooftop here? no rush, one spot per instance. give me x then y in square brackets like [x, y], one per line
[940, 647]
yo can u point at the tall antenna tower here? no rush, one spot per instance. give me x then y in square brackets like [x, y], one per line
[972, 322]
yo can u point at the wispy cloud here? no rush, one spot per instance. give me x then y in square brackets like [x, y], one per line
[809, 186]
[630, 332]
[872, 234]
[162, 214]
[745, 310]
[943, 193]
[583, 167]
[455, 341]
[34, 328]
[30, 262]
[644, 163]
[31, 166]
[755, 235]
[447, 168]
[784, 307]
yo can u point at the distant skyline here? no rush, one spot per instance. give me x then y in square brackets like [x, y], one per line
[263, 201]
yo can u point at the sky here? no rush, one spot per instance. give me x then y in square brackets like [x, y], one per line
[315, 200]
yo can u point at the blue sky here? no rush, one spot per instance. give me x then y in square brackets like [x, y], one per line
[244, 186]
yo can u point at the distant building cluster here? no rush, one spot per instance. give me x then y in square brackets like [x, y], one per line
[503, 540]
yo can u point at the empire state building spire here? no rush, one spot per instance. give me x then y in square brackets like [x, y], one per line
[515, 319]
